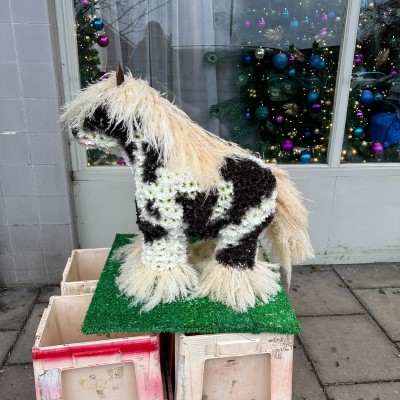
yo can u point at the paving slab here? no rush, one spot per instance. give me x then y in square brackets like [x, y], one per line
[305, 383]
[349, 349]
[22, 352]
[384, 306]
[47, 292]
[320, 292]
[6, 341]
[15, 304]
[17, 383]
[370, 275]
[370, 391]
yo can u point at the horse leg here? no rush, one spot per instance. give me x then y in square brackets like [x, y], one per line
[236, 276]
[155, 268]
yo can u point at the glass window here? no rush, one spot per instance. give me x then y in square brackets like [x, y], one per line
[261, 73]
[373, 118]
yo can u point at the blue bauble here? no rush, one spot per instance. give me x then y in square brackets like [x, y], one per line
[292, 72]
[378, 97]
[307, 134]
[359, 131]
[262, 112]
[285, 13]
[294, 24]
[312, 96]
[280, 61]
[97, 24]
[366, 97]
[331, 15]
[321, 64]
[305, 157]
[362, 71]
[247, 59]
[247, 115]
[316, 62]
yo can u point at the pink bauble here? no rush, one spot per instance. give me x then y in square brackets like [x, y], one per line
[359, 113]
[360, 56]
[292, 59]
[85, 2]
[324, 18]
[358, 60]
[287, 145]
[279, 119]
[247, 23]
[103, 41]
[316, 108]
[322, 33]
[261, 23]
[376, 148]
[394, 72]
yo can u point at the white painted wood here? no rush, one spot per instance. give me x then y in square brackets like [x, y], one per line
[104, 208]
[83, 271]
[343, 82]
[69, 68]
[233, 366]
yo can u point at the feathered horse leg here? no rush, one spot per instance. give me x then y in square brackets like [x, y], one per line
[235, 275]
[143, 278]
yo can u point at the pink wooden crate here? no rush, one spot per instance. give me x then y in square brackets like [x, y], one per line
[83, 271]
[70, 366]
[233, 366]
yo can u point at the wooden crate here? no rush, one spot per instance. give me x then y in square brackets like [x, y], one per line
[233, 366]
[69, 365]
[83, 271]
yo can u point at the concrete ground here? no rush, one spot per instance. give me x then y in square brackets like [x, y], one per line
[349, 347]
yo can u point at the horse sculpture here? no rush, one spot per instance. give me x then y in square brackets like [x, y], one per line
[191, 183]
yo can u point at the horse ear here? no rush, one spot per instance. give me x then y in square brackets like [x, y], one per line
[120, 75]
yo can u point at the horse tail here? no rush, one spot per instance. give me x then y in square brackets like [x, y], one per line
[288, 229]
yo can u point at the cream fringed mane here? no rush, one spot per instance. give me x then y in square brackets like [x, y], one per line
[180, 142]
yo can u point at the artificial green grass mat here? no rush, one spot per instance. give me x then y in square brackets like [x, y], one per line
[110, 311]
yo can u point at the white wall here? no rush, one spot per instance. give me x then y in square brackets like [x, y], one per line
[36, 218]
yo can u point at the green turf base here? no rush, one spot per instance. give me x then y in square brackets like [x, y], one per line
[110, 311]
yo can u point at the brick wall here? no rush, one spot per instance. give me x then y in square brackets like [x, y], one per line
[36, 218]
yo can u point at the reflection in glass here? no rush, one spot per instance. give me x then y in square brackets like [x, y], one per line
[261, 73]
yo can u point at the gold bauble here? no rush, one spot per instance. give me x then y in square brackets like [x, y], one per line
[364, 143]
[316, 131]
[371, 5]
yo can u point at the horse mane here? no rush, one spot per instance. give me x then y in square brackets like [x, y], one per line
[181, 143]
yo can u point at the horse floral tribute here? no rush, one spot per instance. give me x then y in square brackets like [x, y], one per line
[191, 183]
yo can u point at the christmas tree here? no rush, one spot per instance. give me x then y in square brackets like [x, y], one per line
[89, 36]
[86, 35]
[373, 120]
[287, 59]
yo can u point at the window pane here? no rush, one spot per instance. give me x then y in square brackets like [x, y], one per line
[373, 118]
[261, 73]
